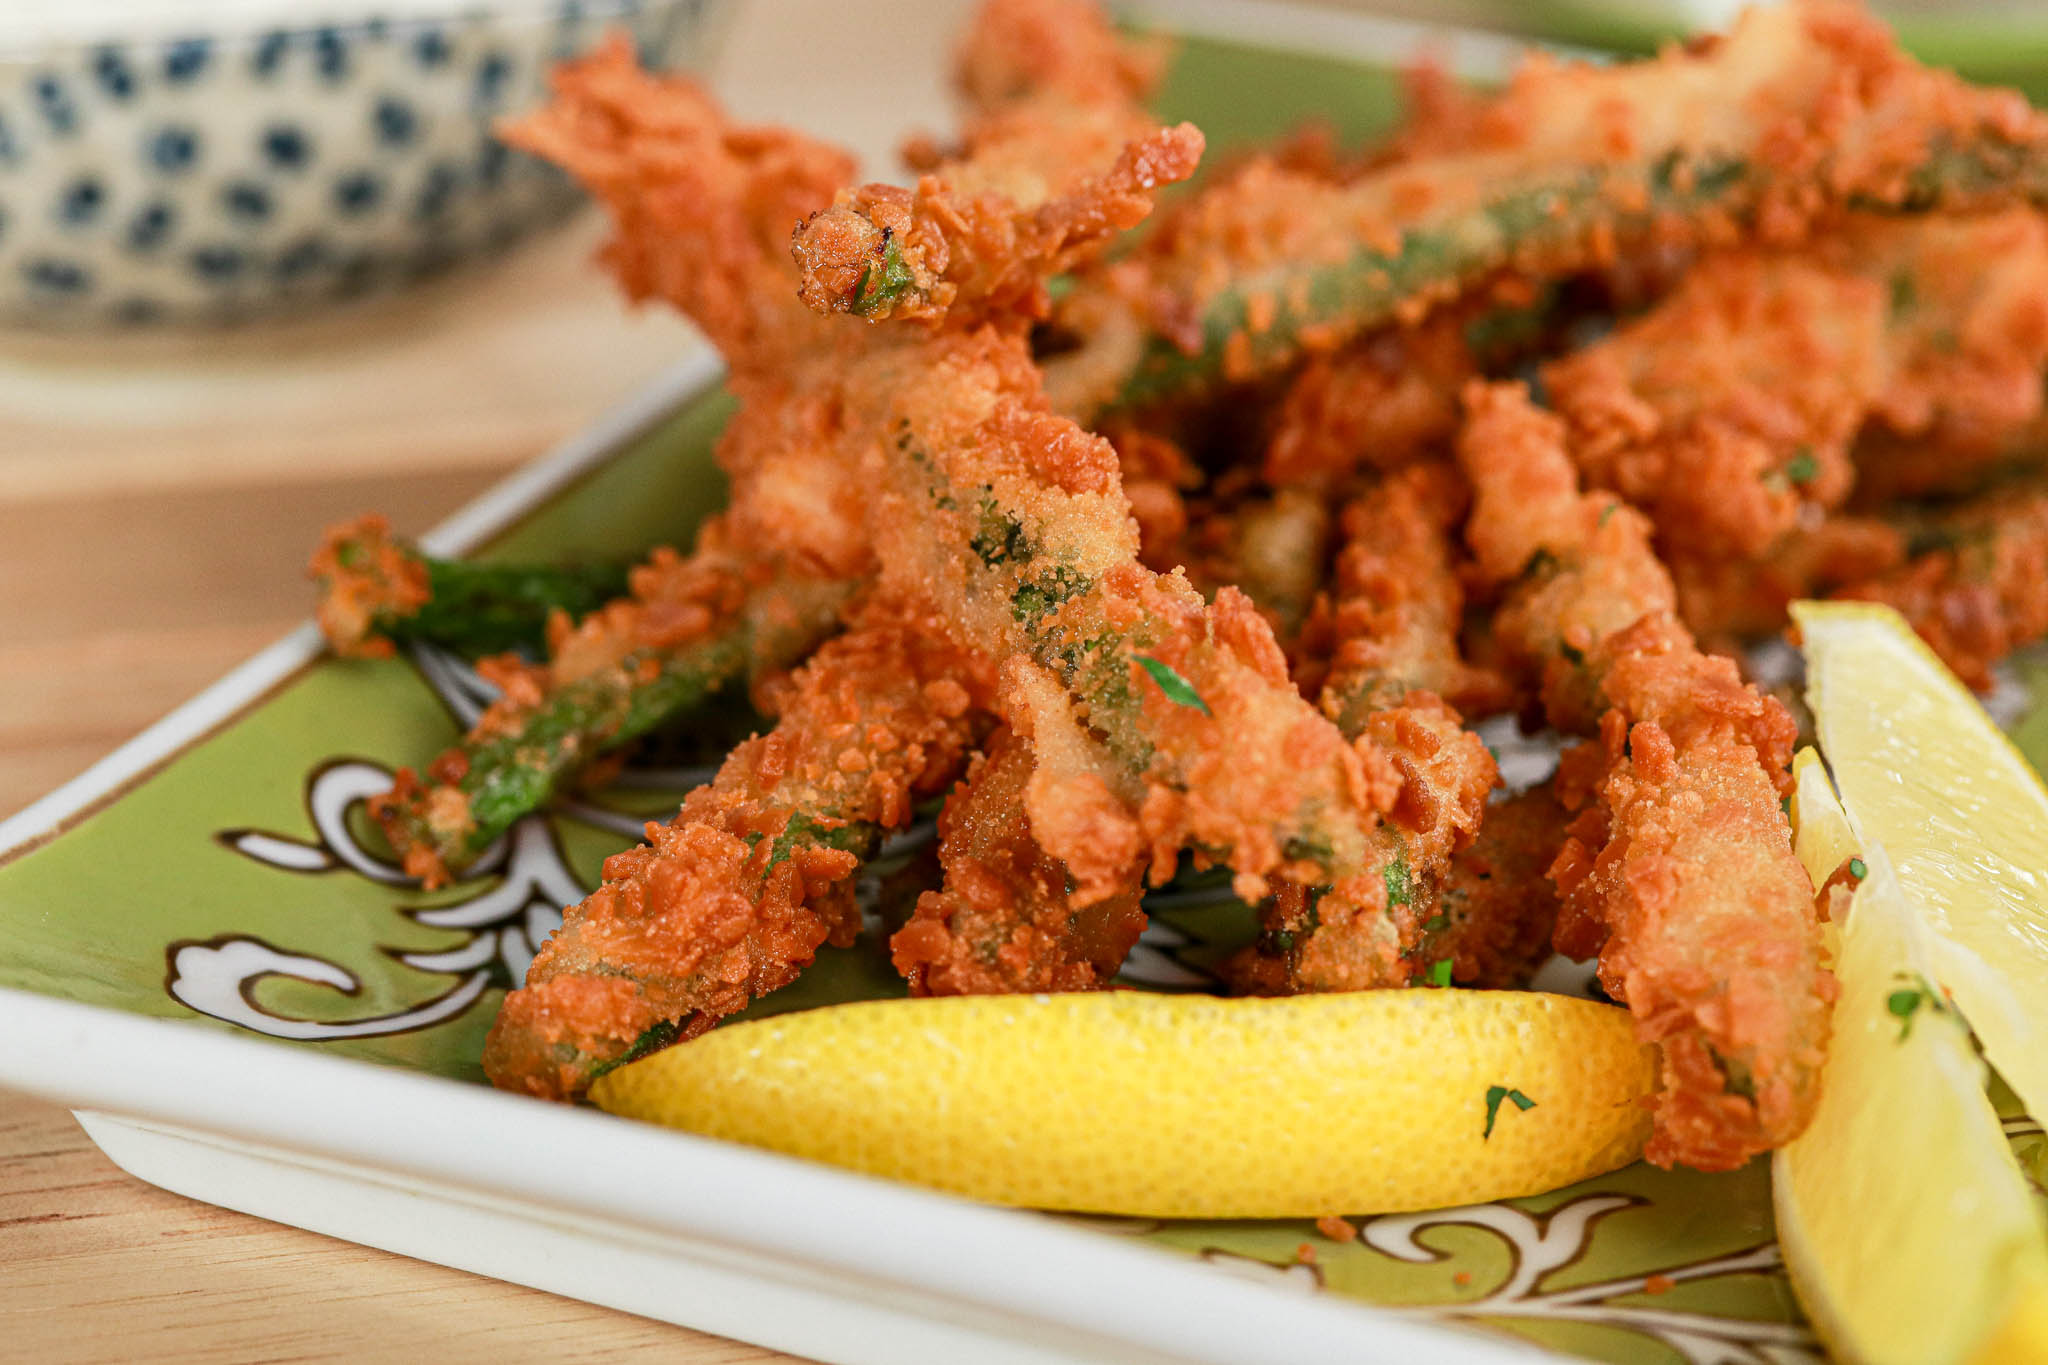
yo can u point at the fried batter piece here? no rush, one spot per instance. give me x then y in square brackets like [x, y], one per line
[1399, 601]
[1497, 908]
[365, 577]
[1976, 588]
[1274, 547]
[1157, 477]
[1728, 411]
[1891, 469]
[1381, 404]
[1679, 870]
[1726, 602]
[733, 897]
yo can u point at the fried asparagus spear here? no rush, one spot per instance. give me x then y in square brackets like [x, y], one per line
[1679, 870]
[1395, 677]
[377, 592]
[1011, 519]
[694, 627]
[733, 897]
[688, 630]
[1800, 111]
[1005, 920]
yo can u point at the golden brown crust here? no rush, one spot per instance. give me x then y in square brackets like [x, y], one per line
[1004, 921]
[364, 575]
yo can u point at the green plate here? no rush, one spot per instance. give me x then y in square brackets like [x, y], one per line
[220, 870]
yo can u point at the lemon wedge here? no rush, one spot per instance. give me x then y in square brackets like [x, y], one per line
[1926, 776]
[1176, 1106]
[1905, 1222]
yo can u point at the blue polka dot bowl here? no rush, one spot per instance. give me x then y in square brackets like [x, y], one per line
[185, 175]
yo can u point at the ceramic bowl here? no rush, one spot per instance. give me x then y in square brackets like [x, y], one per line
[177, 174]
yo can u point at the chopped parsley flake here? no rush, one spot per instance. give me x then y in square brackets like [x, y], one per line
[1858, 869]
[1802, 468]
[1494, 1095]
[1436, 924]
[1178, 690]
[1904, 1003]
[1440, 972]
[1904, 292]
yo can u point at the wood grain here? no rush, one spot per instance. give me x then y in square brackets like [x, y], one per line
[101, 1267]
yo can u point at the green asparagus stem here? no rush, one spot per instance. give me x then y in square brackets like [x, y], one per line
[520, 756]
[377, 592]
[477, 609]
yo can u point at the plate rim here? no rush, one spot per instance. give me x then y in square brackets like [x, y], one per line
[169, 1070]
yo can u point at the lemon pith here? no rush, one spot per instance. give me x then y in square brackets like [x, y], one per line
[1175, 1106]
[1821, 836]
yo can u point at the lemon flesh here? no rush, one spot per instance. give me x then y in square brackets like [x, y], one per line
[1905, 1221]
[1176, 1106]
[1926, 776]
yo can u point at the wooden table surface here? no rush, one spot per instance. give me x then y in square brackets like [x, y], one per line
[158, 497]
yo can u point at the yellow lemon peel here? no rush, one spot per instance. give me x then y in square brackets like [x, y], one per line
[1176, 1106]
